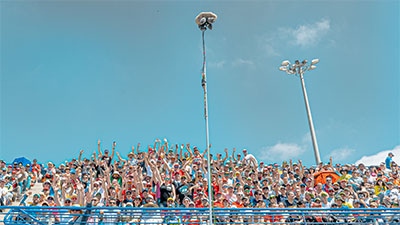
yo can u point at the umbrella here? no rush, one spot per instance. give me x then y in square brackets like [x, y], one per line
[22, 160]
[320, 177]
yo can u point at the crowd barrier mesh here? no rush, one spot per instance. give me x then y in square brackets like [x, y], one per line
[194, 216]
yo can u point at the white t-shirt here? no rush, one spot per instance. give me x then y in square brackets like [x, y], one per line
[3, 191]
[249, 157]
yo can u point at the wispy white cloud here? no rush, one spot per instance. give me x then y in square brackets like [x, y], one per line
[340, 154]
[281, 151]
[380, 157]
[218, 65]
[304, 35]
[309, 34]
[241, 62]
[306, 139]
[269, 44]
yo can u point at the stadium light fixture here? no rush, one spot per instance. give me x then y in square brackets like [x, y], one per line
[299, 69]
[285, 63]
[205, 20]
[314, 61]
[282, 68]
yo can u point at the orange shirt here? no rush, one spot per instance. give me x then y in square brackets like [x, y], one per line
[238, 205]
[218, 205]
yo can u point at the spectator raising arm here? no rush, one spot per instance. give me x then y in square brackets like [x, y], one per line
[137, 149]
[80, 157]
[113, 151]
[190, 151]
[99, 148]
[233, 154]
[120, 158]
[181, 153]
[205, 151]
[226, 154]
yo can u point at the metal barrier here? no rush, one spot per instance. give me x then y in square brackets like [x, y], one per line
[194, 216]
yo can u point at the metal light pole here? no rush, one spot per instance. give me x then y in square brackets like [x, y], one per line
[299, 68]
[205, 20]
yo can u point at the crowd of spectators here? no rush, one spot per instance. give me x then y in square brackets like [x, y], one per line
[176, 176]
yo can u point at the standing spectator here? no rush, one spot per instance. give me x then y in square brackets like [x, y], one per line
[389, 160]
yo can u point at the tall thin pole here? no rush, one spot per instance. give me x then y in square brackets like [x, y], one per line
[310, 121]
[204, 85]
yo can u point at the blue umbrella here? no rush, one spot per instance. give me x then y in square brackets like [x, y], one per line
[22, 160]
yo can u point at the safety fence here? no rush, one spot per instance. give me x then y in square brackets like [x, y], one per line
[194, 216]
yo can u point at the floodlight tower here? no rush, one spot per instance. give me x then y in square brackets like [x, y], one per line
[298, 69]
[205, 20]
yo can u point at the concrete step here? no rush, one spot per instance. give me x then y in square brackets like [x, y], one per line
[35, 189]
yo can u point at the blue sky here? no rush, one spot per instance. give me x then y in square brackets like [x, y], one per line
[73, 72]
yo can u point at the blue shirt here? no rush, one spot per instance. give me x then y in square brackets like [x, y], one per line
[388, 161]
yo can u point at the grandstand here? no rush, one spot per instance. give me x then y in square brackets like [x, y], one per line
[167, 184]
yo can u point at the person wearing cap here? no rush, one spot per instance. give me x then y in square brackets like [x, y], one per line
[380, 188]
[229, 195]
[116, 176]
[185, 202]
[170, 203]
[328, 184]
[389, 160]
[339, 202]
[197, 157]
[128, 197]
[5, 194]
[355, 180]
[131, 158]
[167, 190]
[308, 198]
[249, 159]
[324, 200]
[36, 200]
[182, 190]
[137, 201]
[78, 216]
[344, 175]
[219, 156]
[218, 200]
[107, 157]
[291, 200]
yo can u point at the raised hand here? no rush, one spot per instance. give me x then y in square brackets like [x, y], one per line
[81, 152]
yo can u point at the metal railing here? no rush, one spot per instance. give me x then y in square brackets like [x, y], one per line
[194, 216]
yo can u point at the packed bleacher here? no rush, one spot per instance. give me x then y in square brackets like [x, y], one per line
[176, 176]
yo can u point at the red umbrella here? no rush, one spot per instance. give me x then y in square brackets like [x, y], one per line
[320, 177]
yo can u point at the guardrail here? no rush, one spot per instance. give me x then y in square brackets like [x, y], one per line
[194, 216]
